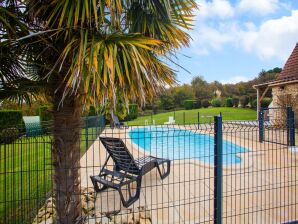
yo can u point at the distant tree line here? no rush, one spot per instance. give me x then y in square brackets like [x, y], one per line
[201, 93]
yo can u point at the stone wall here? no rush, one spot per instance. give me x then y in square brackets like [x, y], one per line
[283, 97]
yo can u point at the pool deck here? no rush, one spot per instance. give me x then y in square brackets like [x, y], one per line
[261, 189]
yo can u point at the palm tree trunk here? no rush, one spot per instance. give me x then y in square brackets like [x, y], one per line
[66, 158]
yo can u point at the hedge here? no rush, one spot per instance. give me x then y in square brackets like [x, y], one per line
[11, 118]
[189, 104]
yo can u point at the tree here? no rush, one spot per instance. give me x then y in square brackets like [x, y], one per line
[182, 93]
[201, 88]
[165, 100]
[82, 52]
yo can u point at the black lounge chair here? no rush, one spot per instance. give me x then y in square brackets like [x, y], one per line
[126, 171]
[117, 123]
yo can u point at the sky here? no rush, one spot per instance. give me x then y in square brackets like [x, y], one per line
[233, 40]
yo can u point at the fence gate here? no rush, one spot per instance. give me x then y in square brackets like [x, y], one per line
[277, 126]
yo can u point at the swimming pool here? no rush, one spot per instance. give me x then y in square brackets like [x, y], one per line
[177, 144]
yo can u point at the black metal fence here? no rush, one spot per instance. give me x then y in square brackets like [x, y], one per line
[221, 172]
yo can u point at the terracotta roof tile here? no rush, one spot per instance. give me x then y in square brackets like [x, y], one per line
[290, 70]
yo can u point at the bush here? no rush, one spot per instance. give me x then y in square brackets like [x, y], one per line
[244, 100]
[132, 111]
[235, 101]
[216, 102]
[229, 102]
[189, 104]
[205, 103]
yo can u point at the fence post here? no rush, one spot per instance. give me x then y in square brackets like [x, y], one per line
[198, 119]
[217, 170]
[290, 127]
[184, 118]
[261, 125]
[86, 132]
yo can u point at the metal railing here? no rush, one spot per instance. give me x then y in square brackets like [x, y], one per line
[220, 173]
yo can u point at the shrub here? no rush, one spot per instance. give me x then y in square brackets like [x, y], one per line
[244, 100]
[216, 102]
[189, 104]
[132, 111]
[229, 102]
[205, 103]
[235, 101]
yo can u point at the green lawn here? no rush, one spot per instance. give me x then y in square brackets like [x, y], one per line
[191, 116]
[25, 174]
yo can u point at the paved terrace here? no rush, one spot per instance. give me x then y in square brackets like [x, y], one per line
[263, 189]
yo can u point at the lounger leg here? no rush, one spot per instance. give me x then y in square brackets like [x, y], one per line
[164, 174]
[96, 188]
[132, 198]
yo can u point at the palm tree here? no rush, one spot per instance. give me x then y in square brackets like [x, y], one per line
[86, 51]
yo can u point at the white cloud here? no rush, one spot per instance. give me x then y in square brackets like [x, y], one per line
[208, 38]
[234, 80]
[215, 9]
[273, 39]
[218, 25]
[260, 7]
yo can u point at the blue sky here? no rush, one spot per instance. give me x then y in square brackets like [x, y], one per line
[233, 40]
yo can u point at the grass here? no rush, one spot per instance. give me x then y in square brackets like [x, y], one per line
[25, 174]
[191, 116]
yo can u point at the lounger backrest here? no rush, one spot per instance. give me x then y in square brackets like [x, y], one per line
[120, 154]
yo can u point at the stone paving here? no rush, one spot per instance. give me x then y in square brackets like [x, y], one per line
[262, 189]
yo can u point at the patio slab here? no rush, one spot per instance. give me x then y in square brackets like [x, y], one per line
[263, 192]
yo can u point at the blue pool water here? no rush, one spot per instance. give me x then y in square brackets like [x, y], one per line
[175, 144]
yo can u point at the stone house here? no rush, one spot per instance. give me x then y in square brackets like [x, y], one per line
[284, 90]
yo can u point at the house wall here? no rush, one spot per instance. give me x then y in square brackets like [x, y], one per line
[278, 93]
